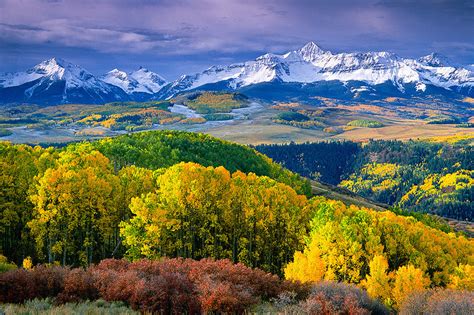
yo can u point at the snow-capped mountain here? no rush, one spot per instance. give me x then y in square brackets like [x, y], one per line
[310, 70]
[139, 81]
[56, 81]
[312, 64]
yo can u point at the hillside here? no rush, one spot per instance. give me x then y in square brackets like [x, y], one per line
[197, 216]
[433, 176]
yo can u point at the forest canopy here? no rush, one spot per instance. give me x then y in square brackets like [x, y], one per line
[421, 176]
[169, 194]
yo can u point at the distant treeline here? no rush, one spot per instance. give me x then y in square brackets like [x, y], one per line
[329, 162]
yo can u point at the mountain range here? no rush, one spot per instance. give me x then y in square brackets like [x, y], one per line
[309, 71]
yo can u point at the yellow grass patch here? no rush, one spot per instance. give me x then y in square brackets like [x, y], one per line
[453, 138]
[469, 100]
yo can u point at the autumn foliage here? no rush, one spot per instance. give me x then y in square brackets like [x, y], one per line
[200, 212]
[327, 298]
[391, 256]
[168, 285]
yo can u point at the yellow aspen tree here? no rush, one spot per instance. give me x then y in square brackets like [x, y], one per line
[377, 282]
[408, 280]
[463, 278]
[307, 266]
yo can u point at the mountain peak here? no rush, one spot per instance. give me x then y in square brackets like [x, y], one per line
[141, 69]
[434, 60]
[311, 45]
[119, 74]
[60, 69]
[310, 51]
[149, 78]
[56, 80]
[141, 80]
[115, 70]
[55, 63]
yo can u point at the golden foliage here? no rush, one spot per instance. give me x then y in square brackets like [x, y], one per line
[307, 266]
[364, 247]
[377, 281]
[462, 278]
[27, 263]
[408, 280]
[202, 211]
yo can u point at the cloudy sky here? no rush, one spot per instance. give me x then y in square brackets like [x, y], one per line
[173, 37]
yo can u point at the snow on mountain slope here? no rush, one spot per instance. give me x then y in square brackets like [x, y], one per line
[56, 81]
[313, 64]
[52, 69]
[150, 80]
[139, 81]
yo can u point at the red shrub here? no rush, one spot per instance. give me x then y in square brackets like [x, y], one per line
[79, 285]
[258, 282]
[14, 286]
[223, 296]
[164, 286]
[168, 293]
[116, 286]
[113, 264]
[19, 285]
[47, 281]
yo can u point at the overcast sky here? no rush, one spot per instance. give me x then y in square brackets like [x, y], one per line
[173, 37]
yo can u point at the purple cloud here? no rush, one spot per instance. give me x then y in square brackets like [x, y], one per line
[168, 34]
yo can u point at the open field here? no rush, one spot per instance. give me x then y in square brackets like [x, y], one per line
[404, 131]
[261, 129]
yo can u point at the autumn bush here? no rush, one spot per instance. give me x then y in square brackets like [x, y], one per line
[161, 286]
[339, 298]
[439, 301]
[79, 284]
[232, 287]
[17, 286]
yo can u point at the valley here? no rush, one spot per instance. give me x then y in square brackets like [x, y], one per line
[243, 120]
[307, 94]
